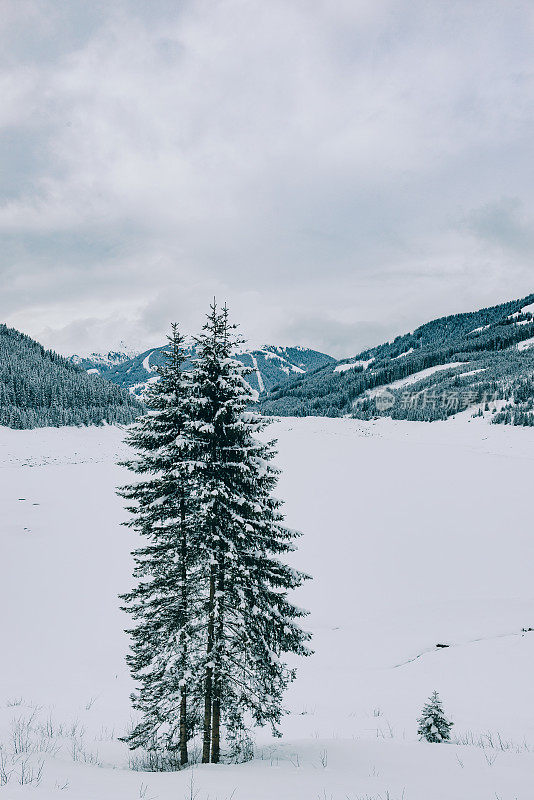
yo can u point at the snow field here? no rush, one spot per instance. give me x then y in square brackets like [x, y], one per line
[415, 534]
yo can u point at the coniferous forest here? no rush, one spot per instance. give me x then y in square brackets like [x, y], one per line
[212, 616]
[482, 359]
[482, 356]
[40, 388]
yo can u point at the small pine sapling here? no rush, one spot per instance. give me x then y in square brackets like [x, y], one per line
[433, 724]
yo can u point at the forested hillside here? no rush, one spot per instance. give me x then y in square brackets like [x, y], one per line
[483, 359]
[39, 388]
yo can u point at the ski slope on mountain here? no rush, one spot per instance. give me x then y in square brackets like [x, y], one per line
[416, 536]
[269, 365]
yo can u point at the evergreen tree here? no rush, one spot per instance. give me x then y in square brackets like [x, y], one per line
[164, 602]
[213, 619]
[433, 724]
[250, 623]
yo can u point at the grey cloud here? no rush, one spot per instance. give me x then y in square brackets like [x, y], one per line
[316, 161]
[339, 339]
[503, 223]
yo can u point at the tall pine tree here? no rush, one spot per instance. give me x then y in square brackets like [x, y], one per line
[213, 618]
[163, 602]
[250, 623]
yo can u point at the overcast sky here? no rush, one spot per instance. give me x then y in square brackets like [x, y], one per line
[338, 170]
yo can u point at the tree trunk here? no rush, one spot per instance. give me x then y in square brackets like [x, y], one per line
[208, 691]
[217, 688]
[215, 739]
[184, 758]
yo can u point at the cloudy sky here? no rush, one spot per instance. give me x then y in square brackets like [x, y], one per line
[338, 170]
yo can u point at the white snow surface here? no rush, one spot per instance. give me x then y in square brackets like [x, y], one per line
[108, 359]
[524, 345]
[352, 365]
[258, 373]
[482, 328]
[146, 363]
[415, 534]
[403, 355]
[525, 310]
[414, 378]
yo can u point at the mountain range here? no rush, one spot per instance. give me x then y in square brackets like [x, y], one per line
[480, 363]
[271, 366]
[481, 360]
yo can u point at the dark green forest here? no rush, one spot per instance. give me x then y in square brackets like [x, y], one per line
[40, 388]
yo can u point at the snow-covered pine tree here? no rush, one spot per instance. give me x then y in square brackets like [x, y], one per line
[250, 621]
[164, 603]
[433, 724]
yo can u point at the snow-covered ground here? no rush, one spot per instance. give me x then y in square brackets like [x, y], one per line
[525, 344]
[411, 379]
[353, 365]
[416, 535]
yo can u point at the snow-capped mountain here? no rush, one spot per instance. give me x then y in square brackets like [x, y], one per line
[482, 360]
[271, 366]
[99, 362]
